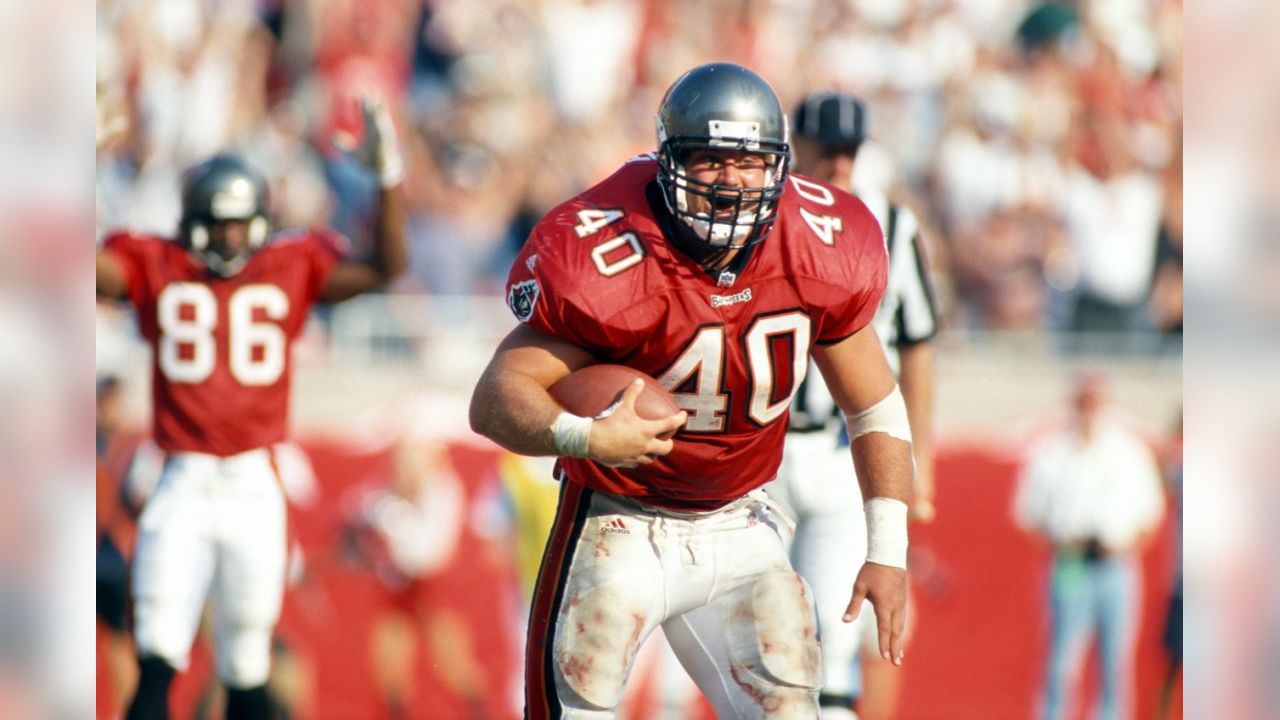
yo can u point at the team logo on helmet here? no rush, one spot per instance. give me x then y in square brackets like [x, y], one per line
[521, 298]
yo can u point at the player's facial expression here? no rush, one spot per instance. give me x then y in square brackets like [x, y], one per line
[731, 168]
[229, 238]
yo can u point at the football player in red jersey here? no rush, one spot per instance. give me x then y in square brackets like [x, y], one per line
[220, 306]
[712, 268]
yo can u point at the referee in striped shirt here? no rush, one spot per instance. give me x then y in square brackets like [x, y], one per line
[816, 481]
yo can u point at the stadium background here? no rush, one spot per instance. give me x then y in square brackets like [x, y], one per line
[989, 116]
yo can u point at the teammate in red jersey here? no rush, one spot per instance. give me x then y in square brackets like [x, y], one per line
[220, 306]
[713, 269]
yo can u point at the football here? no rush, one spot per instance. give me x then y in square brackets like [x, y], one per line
[593, 389]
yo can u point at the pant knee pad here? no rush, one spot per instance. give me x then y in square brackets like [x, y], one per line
[774, 631]
[596, 640]
[244, 657]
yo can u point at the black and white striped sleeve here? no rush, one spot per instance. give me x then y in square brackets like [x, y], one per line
[909, 292]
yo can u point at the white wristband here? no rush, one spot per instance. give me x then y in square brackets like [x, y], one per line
[886, 531]
[391, 167]
[571, 434]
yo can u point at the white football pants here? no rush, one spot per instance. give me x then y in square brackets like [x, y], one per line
[740, 620]
[213, 527]
[817, 487]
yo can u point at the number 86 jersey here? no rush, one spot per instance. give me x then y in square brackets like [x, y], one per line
[221, 346]
[599, 272]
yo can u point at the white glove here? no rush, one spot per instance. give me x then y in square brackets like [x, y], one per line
[379, 151]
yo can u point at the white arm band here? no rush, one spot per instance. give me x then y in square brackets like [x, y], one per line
[888, 416]
[886, 531]
[571, 434]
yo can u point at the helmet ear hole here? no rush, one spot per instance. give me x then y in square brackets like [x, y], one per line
[198, 236]
[258, 231]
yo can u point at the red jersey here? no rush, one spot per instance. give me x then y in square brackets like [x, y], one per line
[598, 272]
[220, 366]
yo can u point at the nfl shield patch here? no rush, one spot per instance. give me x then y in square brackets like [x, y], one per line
[521, 298]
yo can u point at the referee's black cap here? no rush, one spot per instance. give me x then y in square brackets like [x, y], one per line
[833, 119]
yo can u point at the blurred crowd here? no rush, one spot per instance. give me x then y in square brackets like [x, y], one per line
[1040, 141]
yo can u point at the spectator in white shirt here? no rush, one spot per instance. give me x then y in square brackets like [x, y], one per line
[1093, 491]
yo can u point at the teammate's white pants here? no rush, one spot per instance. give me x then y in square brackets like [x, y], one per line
[740, 620]
[214, 526]
[816, 485]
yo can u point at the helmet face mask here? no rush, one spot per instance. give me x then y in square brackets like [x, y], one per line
[224, 213]
[728, 111]
[722, 216]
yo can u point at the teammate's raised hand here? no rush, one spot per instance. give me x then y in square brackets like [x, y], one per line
[886, 588]
[109, 121]
[621, 438]
[378, 151]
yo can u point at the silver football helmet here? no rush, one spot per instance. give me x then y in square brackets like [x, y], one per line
[221, 189]
[722, 106]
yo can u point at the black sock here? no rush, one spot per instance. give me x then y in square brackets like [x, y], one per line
[840, 701]
[151, 699]
[248, 703]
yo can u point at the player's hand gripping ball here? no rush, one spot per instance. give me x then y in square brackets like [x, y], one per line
[596, 390]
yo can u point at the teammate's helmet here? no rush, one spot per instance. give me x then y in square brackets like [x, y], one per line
[722, 106]
[220, 189]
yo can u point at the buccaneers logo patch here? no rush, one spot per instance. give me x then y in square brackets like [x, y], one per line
[521, 298]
